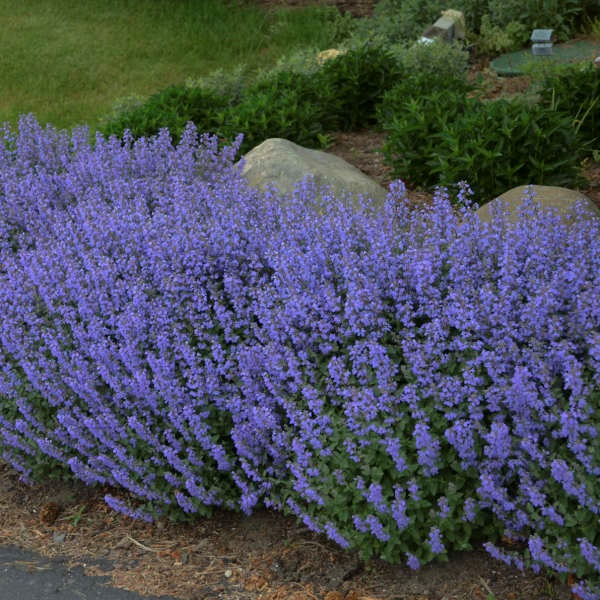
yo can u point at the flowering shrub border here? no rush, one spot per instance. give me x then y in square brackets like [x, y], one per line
[405, 381]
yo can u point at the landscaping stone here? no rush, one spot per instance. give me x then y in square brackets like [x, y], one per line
[284, 164]
[559, 198]
[450, 26]
[325, 55]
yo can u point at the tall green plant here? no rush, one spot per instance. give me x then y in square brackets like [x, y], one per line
[445, 138]
[357, 81]
[574, 90]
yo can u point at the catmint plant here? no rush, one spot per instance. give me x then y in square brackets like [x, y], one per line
[405, 380]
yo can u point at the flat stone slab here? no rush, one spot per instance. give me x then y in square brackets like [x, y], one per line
[561, 199]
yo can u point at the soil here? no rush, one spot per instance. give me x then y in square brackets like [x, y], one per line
[229, 556]
[266, 556]
[356, 8]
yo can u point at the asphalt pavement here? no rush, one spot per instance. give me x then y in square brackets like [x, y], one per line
[28, 576]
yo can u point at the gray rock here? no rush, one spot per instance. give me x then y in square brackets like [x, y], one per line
[559, 198]
[443, 28]
[450, 26]
[284, 164]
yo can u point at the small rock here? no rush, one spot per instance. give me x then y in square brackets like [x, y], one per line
[58, 537]
[228, 573]
[458, 17]
[450, 26]
[325, 55]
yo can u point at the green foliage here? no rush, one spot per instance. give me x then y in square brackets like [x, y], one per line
[411, 123]
[287, 105]
[396, 21]
[303, 61]
[574, 90]
[445, 138]
[592, 27]
[228, 83]
[42, 466]
[564, 16]
[300, 104]
[172, 108]
[339, 474]
[356, 82]
[427, 68]
[494, 39]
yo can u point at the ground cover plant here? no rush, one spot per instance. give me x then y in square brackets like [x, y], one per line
[407, 382]
[77, 391]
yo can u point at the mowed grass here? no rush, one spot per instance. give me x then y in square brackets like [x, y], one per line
[68, 61]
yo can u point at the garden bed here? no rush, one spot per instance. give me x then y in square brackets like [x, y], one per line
[82, 399]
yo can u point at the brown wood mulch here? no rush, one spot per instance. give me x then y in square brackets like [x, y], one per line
[229, 556]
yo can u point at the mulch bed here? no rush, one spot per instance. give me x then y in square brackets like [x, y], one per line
[230, 556]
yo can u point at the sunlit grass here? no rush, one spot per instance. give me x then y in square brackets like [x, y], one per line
[67, 61]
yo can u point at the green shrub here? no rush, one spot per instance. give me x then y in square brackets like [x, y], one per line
[574, 90]
[405, 20]
[303, 61]
[446, 138]
[427, 68]
[287, 105]
[399, 20]
[170, 108]
[494, 39]
[301, 104]
[224, 83]
[411, 123]
[564, 16]
[355, 83]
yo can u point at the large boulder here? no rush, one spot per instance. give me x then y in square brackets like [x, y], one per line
[284, 164]
[561, 199]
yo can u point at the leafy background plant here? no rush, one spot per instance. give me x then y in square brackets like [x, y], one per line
[495, 145]
[574, 90]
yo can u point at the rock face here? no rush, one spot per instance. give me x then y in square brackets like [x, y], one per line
[284, 164]
[559, 198]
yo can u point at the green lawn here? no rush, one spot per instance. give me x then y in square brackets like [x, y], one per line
[67, 61]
